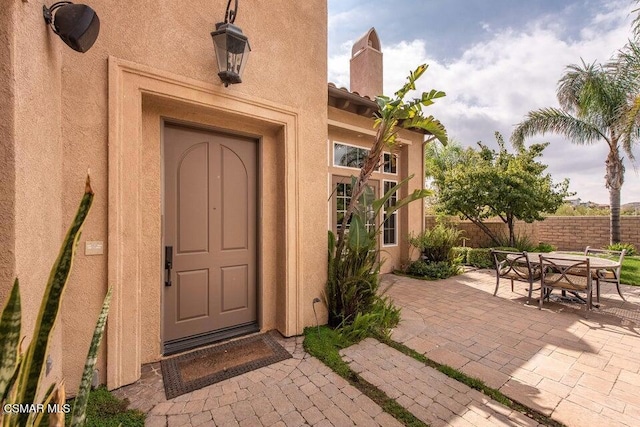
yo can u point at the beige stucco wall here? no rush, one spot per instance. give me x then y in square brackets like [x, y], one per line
[176, 39]
[59, 101]
[7, 153]
[31, 155]
[357, 130]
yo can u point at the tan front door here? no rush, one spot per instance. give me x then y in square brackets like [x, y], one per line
[209, 236]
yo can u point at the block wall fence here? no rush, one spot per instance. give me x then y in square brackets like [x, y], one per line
[565, 232]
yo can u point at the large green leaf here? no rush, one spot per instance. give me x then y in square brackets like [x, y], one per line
[10, 322]
[429, 124]
[379, 203]
[416, 195]
[80, 404]
[31, 368]
[358, 234]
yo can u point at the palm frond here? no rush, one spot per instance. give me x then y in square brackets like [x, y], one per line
[557, 121]
[631, 127]
[572, 84]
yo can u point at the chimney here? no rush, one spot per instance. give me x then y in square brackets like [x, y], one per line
[366, 65]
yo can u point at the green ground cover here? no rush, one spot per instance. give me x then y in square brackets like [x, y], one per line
[630, 274]
[105, 410]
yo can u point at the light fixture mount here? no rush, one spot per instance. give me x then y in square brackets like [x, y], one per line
[76, 24]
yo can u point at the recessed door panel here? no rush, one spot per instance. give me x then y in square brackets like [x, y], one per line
[210, 214]
[193, 295]
[235, 201]
[193, 199]
[235, 288]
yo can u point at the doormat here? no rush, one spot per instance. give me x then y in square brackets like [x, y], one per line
[192, 371]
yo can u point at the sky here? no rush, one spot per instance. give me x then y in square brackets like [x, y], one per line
[496, 60]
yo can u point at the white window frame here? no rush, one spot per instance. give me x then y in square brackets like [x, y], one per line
[333, 154]
[395, 214]
[397, 165]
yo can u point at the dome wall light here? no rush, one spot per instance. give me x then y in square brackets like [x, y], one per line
[76, 24]
[231, 46]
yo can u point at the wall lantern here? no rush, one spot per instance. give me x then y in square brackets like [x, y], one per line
[232, 48]
[76, 24]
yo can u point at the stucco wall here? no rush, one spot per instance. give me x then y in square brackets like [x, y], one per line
[7, 152]
[175, 38]
[31, 161]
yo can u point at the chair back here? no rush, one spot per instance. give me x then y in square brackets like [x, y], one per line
[609, 274]
[561, 273]
[606, 253]
[512, 264]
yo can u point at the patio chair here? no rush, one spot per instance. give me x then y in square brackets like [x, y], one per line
[572, 276]
[514, 266]
[609, 275]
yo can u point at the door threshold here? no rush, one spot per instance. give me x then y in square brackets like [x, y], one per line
[189, 343]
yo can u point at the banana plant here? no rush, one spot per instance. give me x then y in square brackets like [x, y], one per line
[21, 374]
[353, 262]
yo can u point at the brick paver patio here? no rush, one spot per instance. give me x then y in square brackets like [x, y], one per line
[582, 372]
[294, 392]
[579, 371]
[428, 394]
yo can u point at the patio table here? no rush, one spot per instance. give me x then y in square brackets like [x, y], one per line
[595, 263]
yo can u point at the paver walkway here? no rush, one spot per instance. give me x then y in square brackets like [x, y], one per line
[294, 392]
[428, 394]
[582, 372]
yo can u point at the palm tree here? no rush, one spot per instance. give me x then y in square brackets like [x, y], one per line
[595, 102]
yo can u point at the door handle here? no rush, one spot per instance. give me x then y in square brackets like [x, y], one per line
[168, 264]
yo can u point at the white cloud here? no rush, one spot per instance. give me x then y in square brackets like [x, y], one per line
[493, 84]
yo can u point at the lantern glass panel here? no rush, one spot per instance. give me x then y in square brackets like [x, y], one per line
[232, 49]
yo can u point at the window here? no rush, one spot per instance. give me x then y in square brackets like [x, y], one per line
[390, 163]
[343, 197]
[349, 156]
[390, 226]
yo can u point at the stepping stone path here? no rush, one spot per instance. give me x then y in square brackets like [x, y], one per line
[431, 396]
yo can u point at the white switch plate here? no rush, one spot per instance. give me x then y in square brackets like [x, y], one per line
[93, 248]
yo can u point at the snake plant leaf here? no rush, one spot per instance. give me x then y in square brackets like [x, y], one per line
[10, 324]
[80, 404]
[48, 396]
[31, 368]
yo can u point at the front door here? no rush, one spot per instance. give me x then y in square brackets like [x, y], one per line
[209, 236]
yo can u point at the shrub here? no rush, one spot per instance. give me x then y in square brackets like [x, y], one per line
[436, 244]
[480, 257]
[433, 270]
[544, 247]
[459, 254]
[380, 319]
[521, 242]
[631, 250]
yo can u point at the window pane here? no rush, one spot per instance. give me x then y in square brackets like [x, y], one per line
[339, 151]
[352, 157]
[390, 163]
[388, 185]
[389, 230]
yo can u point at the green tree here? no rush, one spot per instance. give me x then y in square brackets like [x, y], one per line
[595, 105]
[510, 186]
